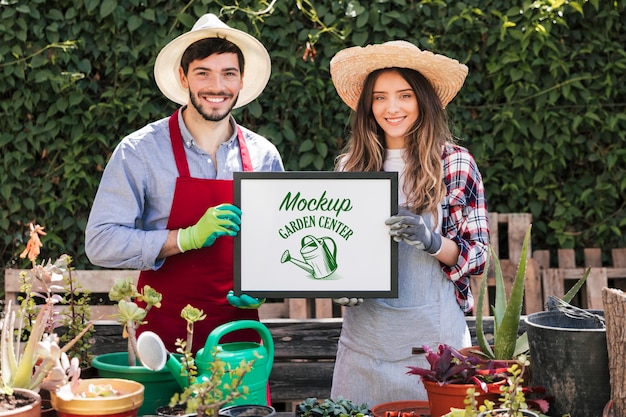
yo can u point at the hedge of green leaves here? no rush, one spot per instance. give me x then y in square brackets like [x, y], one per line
[542, 110]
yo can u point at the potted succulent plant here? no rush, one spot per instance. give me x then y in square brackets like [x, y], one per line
[160, 385]
[188, 370]
[451, 374]
[215, 378]
[339, 407]
[99, 397]
[233, 375]
[512, 401]
[40, 363]
[507, 344]
[206, 396]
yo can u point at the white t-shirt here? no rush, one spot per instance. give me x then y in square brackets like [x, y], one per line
[394, 162]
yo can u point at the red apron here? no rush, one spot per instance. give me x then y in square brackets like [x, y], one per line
[199, 277]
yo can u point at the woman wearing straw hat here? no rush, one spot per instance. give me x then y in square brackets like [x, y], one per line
[164, 204]
[399, 94]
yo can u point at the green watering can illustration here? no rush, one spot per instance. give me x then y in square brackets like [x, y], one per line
[319, 260]
[154, 356]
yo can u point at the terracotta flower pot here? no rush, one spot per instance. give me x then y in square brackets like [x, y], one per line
[32, 409]
[418, 408]
[443, 397]
[125, 404]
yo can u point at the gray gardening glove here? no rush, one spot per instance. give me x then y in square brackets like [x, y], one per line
[413, 230]
[347, 301]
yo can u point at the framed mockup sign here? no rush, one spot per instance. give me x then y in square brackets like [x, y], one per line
[315, 234]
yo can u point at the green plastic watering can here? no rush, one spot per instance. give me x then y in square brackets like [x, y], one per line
[153, 355]
[234, 352]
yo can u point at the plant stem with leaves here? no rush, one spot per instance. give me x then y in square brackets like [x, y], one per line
[130, 315]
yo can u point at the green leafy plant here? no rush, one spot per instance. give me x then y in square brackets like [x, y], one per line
[507, 344]
[207, 396]
[339, 407]
[512, 397]
[191, 316]
[216, 388]
[75, 316]
[130, 315]
[513, 401]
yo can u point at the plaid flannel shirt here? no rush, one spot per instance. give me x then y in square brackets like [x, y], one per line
[465, 220]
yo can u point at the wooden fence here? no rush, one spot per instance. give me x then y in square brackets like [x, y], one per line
[557, 281]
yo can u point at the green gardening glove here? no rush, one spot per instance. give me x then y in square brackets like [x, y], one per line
[218, 221]
[243, 301]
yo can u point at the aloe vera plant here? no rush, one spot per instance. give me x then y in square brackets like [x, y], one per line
[506, 313]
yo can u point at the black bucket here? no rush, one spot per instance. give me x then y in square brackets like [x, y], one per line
[568, 356]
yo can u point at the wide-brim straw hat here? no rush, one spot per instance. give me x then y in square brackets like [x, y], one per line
[257, 65]
[349, 68]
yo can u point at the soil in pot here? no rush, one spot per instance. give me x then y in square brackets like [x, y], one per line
[245, 410]
[232, 411]
[22, 402]
[166, 410]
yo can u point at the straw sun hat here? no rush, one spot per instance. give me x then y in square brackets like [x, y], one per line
[257, 61]
[350, 67]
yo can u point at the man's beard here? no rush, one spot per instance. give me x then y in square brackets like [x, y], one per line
[211, 117]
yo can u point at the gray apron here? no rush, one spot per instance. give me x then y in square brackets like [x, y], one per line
[377, 336]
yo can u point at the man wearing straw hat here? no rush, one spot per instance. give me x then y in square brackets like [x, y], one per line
[164, 205]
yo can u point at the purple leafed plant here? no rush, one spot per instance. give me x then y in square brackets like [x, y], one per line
[449, 366]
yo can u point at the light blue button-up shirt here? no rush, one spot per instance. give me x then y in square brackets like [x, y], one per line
[127, 225]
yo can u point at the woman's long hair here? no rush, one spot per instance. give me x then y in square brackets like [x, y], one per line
[365, 150]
